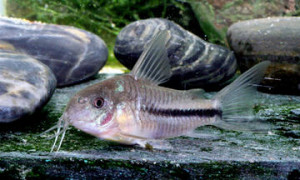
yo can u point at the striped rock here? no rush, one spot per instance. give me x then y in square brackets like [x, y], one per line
[274, 39]
[72, 54]
[194, 62]
[25, 85]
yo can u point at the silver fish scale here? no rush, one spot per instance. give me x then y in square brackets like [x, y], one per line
[154, 107]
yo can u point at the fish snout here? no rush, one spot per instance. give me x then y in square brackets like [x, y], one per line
[75, 113]
[65, 117]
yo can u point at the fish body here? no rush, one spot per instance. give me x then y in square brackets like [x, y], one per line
[133, 109]
[137, 108]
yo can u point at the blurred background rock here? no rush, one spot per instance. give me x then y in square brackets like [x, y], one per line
[208, 19]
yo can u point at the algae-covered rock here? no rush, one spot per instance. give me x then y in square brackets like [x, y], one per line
[25, 85]
[274, 39]
[72, 54]
[194, 62]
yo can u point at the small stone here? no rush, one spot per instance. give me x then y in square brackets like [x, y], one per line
[72, 54]
[295, 112]
[194, 62]
[25, 85]
[273, 39]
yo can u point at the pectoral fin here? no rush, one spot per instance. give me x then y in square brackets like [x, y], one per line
[149, 144]
[154, 144]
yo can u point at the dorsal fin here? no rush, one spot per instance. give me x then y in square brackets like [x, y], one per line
[153, 65]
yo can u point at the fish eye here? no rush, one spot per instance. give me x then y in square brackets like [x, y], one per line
[98, 102]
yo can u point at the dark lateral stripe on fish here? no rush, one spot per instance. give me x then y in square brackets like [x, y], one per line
[185, 112]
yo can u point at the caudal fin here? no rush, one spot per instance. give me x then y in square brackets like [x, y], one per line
[237, 99]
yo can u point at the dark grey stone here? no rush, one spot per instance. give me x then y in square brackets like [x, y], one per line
[273, 39]
[3, 88]
[296, 112]
[194, 62]
[72, 54]
[25, 85]
[104, 166]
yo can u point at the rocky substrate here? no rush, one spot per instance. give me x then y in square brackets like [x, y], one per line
[72, 54]
[273, 39]
[36, 57]
[25, 85]
[214, 153]
[194, 62]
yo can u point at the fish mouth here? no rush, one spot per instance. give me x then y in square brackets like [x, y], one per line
[103, 124]
[101, 128]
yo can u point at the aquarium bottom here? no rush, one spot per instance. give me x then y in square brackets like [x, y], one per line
[74, 166]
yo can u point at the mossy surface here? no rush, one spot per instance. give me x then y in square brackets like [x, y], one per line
[211, 153]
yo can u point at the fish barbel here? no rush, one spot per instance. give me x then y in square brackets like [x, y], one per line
[133, 109]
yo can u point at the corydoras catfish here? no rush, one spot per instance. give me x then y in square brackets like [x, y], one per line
[133, 109]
